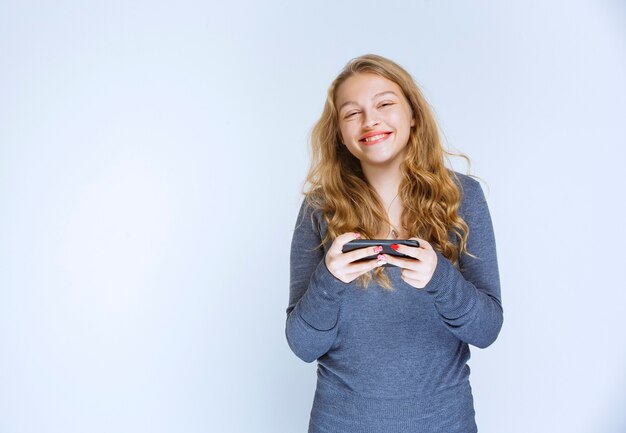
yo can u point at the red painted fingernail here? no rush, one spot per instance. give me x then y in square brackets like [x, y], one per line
[378, 249]
[357, 235]
[394, 247]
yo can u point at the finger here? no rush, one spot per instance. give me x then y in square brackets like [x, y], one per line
[423, 243]
[411, 274]
[362, 253]
[402, 262]
[360, 268]
[407, 250]
[343, 239]
[418, 284]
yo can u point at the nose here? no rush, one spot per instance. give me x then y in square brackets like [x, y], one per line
[370, 120]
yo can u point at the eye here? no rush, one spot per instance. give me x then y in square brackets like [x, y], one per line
[350, 114]
[386, 104]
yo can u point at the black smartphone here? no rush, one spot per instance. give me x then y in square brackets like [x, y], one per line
[385, 243]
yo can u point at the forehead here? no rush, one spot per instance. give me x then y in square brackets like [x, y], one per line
[362, 87]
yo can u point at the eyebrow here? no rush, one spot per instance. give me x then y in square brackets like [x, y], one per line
[373, 97]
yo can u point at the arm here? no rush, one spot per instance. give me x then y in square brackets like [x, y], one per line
[314, 293]
[468, 301]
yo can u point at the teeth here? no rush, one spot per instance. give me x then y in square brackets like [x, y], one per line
[374, 137]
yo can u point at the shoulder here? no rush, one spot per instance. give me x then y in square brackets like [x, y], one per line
[467, 184]
[311, 212]
[472, 196]
[469, 187]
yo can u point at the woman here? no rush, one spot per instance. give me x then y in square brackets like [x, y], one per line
[391, 341]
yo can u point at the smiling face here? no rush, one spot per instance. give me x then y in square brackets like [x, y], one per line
[375, 119]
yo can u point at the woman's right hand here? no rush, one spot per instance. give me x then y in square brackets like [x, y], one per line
[342, 265]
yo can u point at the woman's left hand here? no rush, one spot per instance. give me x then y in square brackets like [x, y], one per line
[420, 269]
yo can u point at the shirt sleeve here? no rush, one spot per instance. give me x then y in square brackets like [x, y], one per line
[314, 293]
[468, 300]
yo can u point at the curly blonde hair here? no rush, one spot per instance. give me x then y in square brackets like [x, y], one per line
[336, 186]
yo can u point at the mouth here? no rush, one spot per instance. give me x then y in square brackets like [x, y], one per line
[374, 138]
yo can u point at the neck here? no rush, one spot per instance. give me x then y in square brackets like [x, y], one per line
[385, 180]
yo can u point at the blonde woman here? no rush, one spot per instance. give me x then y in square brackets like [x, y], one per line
[391, 334]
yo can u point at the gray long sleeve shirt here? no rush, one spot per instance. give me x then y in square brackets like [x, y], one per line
[394, 360]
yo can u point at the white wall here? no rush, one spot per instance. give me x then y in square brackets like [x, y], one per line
[151, 157]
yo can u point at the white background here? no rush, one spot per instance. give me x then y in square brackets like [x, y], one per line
[151, 161]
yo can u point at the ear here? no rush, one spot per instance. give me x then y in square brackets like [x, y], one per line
[412, 121]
